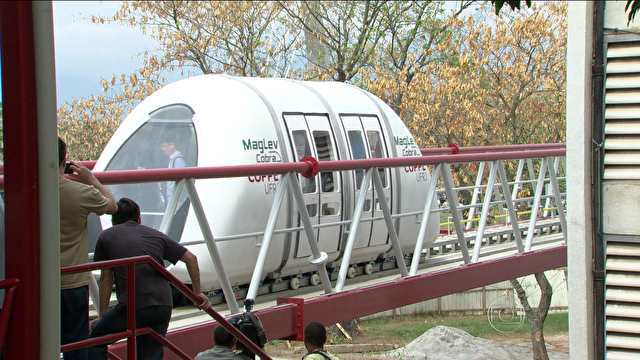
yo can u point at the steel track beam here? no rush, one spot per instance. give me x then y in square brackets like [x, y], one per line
[288, 318]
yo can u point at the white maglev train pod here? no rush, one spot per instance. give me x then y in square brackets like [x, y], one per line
[215, 120]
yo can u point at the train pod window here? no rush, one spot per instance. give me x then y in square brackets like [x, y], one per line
[303, 149]
[376, 147]
[166, 140]
[324, 148]
[358, 151]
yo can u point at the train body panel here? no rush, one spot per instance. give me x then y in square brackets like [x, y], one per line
[220, 120]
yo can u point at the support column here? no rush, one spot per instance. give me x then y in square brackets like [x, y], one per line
[579, 199]
[22, 222]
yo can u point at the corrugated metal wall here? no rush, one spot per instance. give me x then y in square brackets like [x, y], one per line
[621, 196]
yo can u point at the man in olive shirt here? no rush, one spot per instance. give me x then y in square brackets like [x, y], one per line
[128, 238]
[80, 195]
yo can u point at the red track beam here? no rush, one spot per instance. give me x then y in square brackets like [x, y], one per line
[369, 300]
[287, 319]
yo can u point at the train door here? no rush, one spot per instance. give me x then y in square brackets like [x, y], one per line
[377, 149]
[358, 150]
[312, 136]
[330, 205]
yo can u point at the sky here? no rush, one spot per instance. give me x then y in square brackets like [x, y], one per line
[87, 52]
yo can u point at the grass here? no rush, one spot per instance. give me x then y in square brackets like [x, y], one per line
[403, 329]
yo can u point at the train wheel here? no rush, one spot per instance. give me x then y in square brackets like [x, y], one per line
[368, 269]
[294, 283]
[315, 279]
[351, 273]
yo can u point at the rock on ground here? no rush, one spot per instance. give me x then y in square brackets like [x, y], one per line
[446, 343]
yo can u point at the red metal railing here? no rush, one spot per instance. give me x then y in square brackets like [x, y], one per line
[9, 287]
[455, 149]
[210, 172]
[132, 331]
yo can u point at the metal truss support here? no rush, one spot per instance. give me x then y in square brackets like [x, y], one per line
[211, 245]
[486, 206]
[393, 234]
[353, 230]
[278, 198]
[518, 179]
[536, 204]
[172, 206]
[477, 188]
[513, 216]
[547, 203]
[426, 214]
[557, 199]
[317, 257]
[452, 200]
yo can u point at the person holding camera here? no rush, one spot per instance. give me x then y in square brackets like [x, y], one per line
[80, 194]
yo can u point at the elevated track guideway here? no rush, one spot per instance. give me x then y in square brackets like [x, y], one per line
[508, 223]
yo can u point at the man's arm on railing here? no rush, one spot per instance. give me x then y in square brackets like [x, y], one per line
[106, 285]
[191, 261]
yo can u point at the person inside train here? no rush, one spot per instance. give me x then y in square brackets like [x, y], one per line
[128, 238]
[176, 160]
[224, 347]
[80, 194]
[315, 336]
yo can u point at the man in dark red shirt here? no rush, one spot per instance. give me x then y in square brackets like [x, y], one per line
[128, 238]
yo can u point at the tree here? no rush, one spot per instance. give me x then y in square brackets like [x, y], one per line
[536, 315]
[347, 32]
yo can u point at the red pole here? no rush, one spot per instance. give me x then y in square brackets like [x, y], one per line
[22, 228]
[131, 311]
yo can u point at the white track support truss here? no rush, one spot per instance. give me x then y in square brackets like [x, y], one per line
[557, 199]
[353, 231]
[536, 204]
[317, 257]
[256, 277]
[211, 246]
[547, 204]
[486, 206]
[513, 215]
[452, 199]
[393, 234]
[426, 215]
[474, 197]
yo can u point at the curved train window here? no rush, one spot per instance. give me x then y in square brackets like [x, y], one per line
[377, 151]
[324, 148]
[166, 140]
[303, 149]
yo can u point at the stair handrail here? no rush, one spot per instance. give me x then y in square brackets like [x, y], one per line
[132, 331]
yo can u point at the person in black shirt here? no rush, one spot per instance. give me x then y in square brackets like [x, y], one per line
[128, 238]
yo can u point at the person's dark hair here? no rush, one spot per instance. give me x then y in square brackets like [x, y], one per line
[315, 334]
[62, 151]
[127, 210]
[222, 337]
